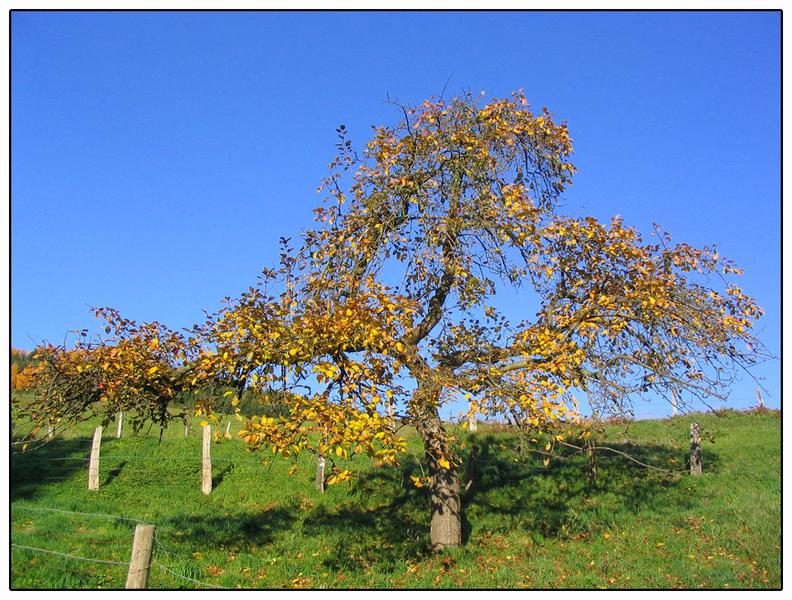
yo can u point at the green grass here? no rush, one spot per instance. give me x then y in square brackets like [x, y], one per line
[526, 525]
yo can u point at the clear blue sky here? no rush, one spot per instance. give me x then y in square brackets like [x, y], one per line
[157, 157]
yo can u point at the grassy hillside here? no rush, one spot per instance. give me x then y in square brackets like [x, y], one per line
[527, 525]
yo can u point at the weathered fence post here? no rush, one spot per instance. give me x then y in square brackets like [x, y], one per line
[186, 429]
[120, 424]
[50, 430]
[695, 449]
[320, 474]
[592, 461]
[206, 473]
[140, 563]
[674, 402]
[93, 465]
[472, 423]
[320, 467]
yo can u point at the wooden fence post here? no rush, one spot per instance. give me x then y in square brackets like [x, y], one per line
[592, 461]
[695, 449]
[674, 402]
[206, 473]
[186, 429]
[320, 474]
[120, 424]
[472, 423]
[50, 431]
[140, 563]
[93, 465]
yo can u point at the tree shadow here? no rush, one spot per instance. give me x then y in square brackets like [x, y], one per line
[555, 500]
[382, 519]
[244, 529]
[51, 463]
[368, 530]
[559, 499]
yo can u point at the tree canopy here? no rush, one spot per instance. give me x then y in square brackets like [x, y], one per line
[392, 299]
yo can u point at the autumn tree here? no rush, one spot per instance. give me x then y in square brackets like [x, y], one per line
[393, 299]
[400, 279]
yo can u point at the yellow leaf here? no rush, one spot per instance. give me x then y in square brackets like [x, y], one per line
[204, 423]
[444, 463]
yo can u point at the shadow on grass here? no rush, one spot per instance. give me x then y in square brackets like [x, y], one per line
[555, 501]
[559, 500]
[115, 471]
[382, 519]
[218, 478]
[386, 521]
[243, 529]
[49, 464]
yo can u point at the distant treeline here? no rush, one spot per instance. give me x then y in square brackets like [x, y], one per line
[19, 360]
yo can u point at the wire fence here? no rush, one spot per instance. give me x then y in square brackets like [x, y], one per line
[169, 569]
[71, 556]
[52, 469]
[50, 473]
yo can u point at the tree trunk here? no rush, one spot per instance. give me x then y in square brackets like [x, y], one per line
[446, 525]
[446, 528]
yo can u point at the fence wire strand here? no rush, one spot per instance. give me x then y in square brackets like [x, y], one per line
[72, 556]
[75, 512]
[157, 541]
